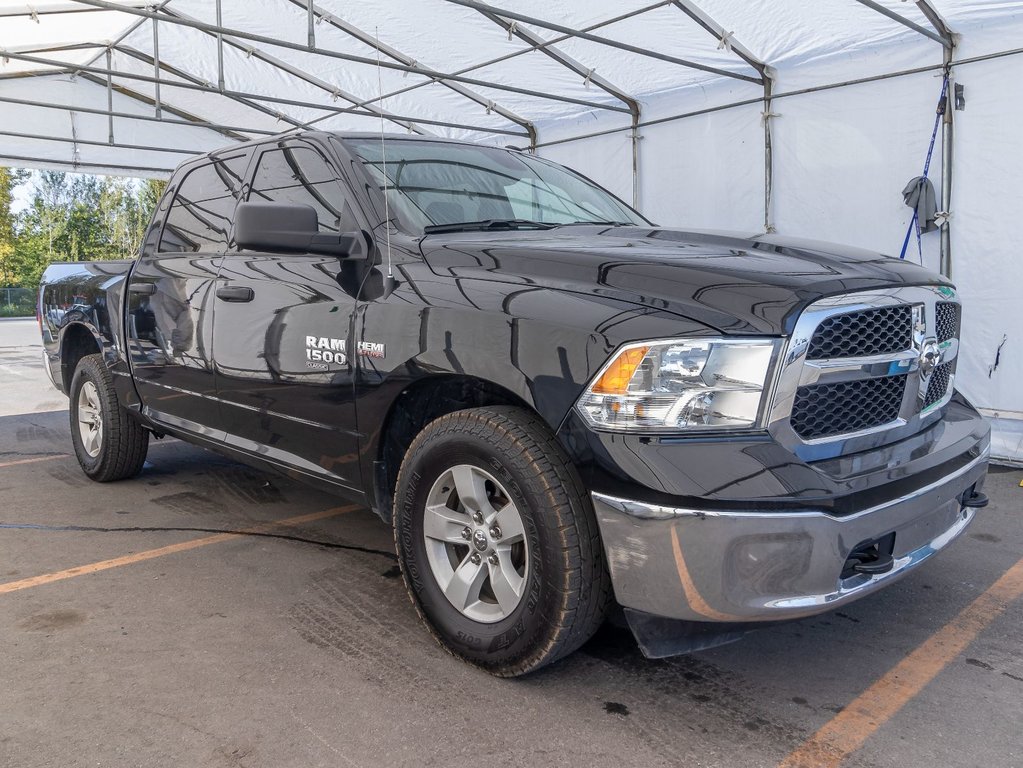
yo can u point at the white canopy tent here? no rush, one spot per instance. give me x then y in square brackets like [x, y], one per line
[803, 117]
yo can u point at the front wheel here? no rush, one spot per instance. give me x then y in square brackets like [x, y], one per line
[109, 443]
[497, 541]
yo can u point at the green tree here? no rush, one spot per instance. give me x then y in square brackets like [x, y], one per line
[76, 217]
[9, 179]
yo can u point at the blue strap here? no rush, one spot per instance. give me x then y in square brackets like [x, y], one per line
[914, 224]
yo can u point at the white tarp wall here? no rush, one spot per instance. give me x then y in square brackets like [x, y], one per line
[841, 155]
[841, 159]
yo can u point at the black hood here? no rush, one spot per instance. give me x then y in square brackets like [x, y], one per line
[728, 282]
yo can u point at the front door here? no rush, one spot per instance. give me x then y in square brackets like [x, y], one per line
[169, 318]
[283, 330]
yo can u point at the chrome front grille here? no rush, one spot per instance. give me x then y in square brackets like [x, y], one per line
[947, 320]
[824, 410]
[878, 331]
[864, 369]
[937, 387]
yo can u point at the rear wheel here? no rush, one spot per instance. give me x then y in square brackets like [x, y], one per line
[497, 541]
[109, 443]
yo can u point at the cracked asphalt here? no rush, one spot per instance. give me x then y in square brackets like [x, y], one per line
[294, 644]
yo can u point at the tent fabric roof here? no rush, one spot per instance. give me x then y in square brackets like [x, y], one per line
[180, 82]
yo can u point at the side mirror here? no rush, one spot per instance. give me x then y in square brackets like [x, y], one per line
[292, 228]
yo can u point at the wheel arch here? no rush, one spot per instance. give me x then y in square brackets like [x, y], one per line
[417, 405]
[77, 340]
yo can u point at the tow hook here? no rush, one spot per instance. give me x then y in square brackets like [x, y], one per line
[871, 557]
[975, 499]
[882, 563]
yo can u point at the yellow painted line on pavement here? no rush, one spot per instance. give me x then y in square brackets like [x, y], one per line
[33, 461]
[846, 732]
[184, 546]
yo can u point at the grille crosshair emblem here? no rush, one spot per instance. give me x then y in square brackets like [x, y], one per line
[930, 358]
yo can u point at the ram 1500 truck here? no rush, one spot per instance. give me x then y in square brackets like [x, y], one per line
[558, 406]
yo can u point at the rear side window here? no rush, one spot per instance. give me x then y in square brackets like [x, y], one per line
[200, 216]
[302, 175]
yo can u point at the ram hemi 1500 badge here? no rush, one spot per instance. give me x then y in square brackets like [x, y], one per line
[323, 349]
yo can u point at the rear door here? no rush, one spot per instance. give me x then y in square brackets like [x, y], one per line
[283, 329]
[169, 321]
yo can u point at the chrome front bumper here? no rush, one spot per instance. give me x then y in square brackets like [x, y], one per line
[749, 566]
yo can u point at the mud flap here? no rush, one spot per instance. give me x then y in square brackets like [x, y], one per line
[659, 637]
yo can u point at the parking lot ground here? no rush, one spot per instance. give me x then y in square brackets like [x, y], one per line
[293, 643]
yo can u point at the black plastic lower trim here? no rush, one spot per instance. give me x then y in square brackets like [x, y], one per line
[659, 637]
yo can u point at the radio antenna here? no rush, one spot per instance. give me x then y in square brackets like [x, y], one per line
[390, 283]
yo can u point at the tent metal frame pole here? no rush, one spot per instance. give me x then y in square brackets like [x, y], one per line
[247, 100]
[35, 73]
[95, 143]
[589, 76]
[177, 72]
[11, 13]
[364, 37]
[936, 21]
[522, 51]
[220, 47]
[272, 42]
[46, 162]
[727, 41]
[126, 33]
[147, 100]
[941, 34]
[768, 116]
[222, 129]
[947, 132]
[634, 138]
[110, 95]
[302, 75]
[786, 94]
[305, 77]
[719, 33]
[947, 159]
[52, 48]
[935, 36]
[236, 95]
[506, 14]
[156, 64]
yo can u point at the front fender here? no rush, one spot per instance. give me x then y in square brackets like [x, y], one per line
[539, 344]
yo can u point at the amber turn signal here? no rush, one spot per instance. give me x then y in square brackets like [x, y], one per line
[615, 380]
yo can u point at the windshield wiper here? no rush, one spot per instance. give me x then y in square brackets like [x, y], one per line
[487, 225]
[598, 221]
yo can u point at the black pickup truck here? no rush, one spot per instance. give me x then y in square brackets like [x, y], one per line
[558, 405]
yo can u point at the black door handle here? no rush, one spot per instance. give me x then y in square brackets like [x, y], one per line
[238, 293]
[143, 289]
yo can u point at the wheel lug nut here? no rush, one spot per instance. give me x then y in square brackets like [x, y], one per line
[493, 558]
[466, 533]
[477, 517]
[475, 558]
[495, 532]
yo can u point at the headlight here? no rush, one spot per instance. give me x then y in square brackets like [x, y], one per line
[681, 385]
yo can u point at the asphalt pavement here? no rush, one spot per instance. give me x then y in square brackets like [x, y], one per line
[207, 614]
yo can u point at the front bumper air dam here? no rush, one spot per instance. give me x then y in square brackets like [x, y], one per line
[743, 568]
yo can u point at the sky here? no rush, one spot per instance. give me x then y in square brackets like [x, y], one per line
[22, 197]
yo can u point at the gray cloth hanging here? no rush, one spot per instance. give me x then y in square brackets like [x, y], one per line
[919, 194]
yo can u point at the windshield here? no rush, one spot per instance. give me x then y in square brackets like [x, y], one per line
[434, 183]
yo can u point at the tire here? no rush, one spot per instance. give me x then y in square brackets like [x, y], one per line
[554, 557]
[117, 449]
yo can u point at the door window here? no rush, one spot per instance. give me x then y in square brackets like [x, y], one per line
[302, 175]
[200, 217]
